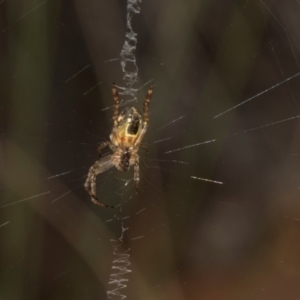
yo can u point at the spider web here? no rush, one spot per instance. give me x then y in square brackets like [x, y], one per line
[217, 213]
[121, 262]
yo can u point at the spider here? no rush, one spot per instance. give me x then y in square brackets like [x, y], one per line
[126, 137]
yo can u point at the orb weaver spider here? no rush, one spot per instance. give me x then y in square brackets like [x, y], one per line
[128, 131]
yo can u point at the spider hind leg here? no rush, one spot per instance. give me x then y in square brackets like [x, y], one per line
[117, 102]
[146, 105]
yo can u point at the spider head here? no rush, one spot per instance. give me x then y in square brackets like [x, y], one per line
[128, 129]
[125, 161]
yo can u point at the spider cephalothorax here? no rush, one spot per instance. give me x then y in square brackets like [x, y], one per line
[126, 138]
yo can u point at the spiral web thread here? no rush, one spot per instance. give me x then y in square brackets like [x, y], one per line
[121, 262]
[128, 58]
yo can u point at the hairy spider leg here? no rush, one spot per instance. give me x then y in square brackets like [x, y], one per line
[116, 103]
[144, 146]
[146, 105]
[97, 168]
[136, 174]
[145, 116]
[102, 146]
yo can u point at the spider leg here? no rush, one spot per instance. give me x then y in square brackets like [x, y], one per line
[145, 116]
[146, 105]
[144, 146]
[98, 167]
[96, 201]
[117, 102]
[102, 146]
[136, 174]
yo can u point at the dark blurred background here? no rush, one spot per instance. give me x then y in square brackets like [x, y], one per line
[181, 237]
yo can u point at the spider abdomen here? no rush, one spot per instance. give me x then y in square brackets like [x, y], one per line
[128, 140]
[128, 128]
[134, 123]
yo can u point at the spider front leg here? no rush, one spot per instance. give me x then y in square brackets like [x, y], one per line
[136, 174]
[116, 105]
[102, 146]
[97, 168]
